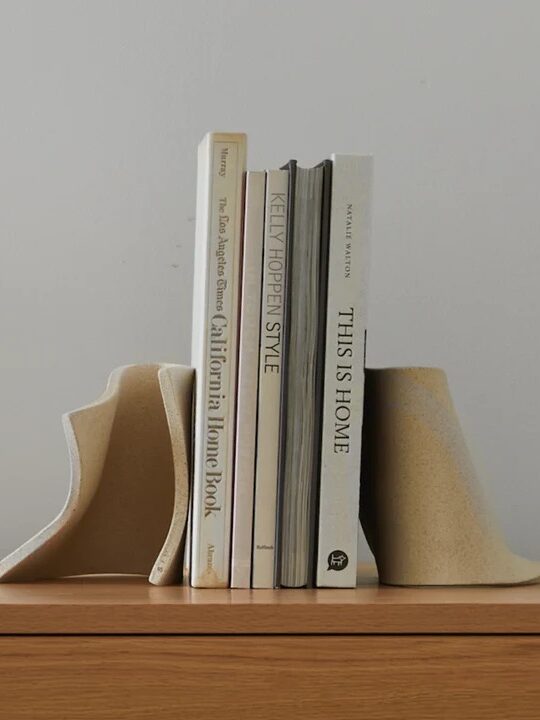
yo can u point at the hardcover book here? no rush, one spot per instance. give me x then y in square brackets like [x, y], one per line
[270, 371]
[221, 166]
[344, 371]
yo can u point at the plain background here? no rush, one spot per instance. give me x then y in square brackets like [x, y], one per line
[102, 106]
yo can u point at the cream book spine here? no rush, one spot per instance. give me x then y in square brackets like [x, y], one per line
[248, 375]
[221, 167]
[270, 365]
[343, 403]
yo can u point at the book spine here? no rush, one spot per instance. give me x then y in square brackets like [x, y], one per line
[248, 373]
[270, 368]
[221, 165]
[344, 371]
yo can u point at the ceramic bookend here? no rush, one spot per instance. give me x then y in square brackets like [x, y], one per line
[422, 507]
[127, 505]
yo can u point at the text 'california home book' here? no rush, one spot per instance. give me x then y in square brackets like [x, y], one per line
[278, 344]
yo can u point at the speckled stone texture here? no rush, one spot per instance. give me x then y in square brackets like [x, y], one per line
[127, 505]
[422, 507]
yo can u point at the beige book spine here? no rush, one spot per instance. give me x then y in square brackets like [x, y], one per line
[270, 364]
[221, 167]
[248, 373]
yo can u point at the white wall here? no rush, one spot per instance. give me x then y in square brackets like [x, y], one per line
[102, 106]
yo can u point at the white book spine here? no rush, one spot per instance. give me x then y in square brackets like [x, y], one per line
[346, 322]
[248, 373]
[270, 364]
[221, 165]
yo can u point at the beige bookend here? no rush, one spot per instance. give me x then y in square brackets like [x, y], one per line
[127, 505]
[422, 507]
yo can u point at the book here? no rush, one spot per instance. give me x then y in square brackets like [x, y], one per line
[248, 376]
[302, 391]
[221, 167]
[346, 321]
[270, 361]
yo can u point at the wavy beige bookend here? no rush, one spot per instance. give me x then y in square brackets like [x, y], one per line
[422, 507]
[127, 505]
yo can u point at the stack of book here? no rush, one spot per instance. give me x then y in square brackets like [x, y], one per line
[279, 322]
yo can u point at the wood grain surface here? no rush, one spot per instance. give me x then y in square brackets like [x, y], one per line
[132, 606]
[378, 678]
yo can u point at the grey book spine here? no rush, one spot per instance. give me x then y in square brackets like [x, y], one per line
[301, 381]
[344, 371]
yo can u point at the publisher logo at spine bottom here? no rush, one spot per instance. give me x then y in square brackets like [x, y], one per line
[337, 560]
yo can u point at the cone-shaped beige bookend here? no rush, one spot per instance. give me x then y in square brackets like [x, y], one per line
[127, 505]
[422, 507]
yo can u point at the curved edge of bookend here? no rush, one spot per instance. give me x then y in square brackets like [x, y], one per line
[176, 384]
[422, 508]
[127, 500]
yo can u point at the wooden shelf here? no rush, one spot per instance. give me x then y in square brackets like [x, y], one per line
[132, 606]
[115, 649]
